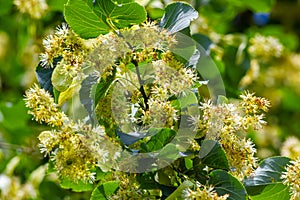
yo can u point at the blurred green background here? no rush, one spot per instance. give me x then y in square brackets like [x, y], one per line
[255, 44]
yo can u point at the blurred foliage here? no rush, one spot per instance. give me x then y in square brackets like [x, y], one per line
[224, 28]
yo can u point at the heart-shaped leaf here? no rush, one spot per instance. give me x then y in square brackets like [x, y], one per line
[89, 19]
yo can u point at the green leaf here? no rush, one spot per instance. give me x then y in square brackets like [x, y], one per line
[188, 99]
[61, 79]
[225, 183]
[178, 192]
[203, 40]
[169, 152]
[237, 63]
[274, 192]
[185, 50]
[178, 16]
[213, 155]
[90, 19]
[103, 87]
[160, 139]
[105, 190]
[268, 172]
[188, 163]
[57, 5]
[76, 187]
[56, 94]
[222, 100]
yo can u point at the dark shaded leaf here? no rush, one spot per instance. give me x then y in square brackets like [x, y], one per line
[225, 183]
[87, 96]
[44, 76]
[213, 155]
[129, 138]
[103, 87]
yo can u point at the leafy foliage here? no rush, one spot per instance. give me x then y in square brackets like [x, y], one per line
[216, 49]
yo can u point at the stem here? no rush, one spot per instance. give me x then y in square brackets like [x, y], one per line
[142, 90]
[141, 82]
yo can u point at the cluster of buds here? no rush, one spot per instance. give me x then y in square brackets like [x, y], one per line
[291, 177]
[202, 192]
[35, 8]
[265, 48]
[41, 105]
[225, 120]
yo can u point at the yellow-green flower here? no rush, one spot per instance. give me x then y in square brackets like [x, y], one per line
[291, 177]
[202, 192]
[291, 147]
[41, 105]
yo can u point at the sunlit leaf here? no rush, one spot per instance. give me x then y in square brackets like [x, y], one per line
[178, 16]
[268, 172]
[90, 19]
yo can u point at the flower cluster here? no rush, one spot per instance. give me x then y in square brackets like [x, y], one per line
[65, 48]
[229, 118]
[265, 48]
[148, 36]
[291, 147]
[76, 149]
[41, 105]
[35, 8]
[128, 189]
[126, 45]
[170, 81]
[202, 192]
[160, 114]
[252, 107]
[217, 119]
[240, 154]
[107, 49]
[224, 121]
[291, 178]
